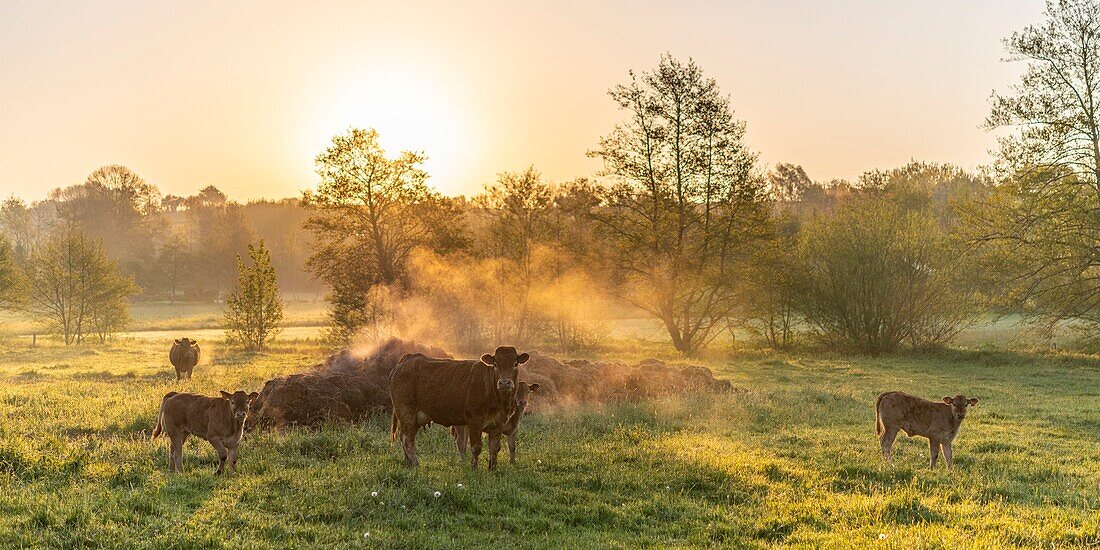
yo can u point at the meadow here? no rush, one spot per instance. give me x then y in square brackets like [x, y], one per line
[791, 461]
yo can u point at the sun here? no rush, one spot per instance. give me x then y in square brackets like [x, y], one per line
[411, 106]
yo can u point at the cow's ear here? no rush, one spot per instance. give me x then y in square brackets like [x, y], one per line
[523, 357]
[972, 401]
[947, 400]
[533, 388]
[225, 394]
[488, 359]
[252, 396]
[178, 341]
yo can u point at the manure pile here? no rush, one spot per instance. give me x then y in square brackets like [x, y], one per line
[347, 387]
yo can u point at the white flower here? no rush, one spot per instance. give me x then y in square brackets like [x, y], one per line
[881, 536]
[374, 494]
[366, 535]
[459, 485]
[538, 462]
[438, 494]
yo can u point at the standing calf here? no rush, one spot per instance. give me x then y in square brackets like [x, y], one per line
[510, 426]
[939, 422]
[219, 420]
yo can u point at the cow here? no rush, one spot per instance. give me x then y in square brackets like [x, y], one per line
[510, 426]
[219, 420]
[475, 394]
[938, 421]
[184, 356]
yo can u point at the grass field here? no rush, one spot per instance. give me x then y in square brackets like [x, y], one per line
[794, 461]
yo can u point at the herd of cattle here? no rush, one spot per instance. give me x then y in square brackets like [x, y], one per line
[420, 386]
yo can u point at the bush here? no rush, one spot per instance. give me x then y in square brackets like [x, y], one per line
[875, 277]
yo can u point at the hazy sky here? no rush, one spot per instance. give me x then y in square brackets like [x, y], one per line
[243, 95]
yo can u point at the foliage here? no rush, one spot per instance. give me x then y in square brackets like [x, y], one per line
[254, 310]
[10, 288]
[875, 277]
[75, 289]
[1042, 222]
[369, 213]
[685, 204]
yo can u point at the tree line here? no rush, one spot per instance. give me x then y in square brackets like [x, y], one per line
[682, 224]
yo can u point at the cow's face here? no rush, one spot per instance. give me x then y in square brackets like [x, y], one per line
[505, 367]
[185, 342]
[240, 403]
[959, 403]
[522, 392]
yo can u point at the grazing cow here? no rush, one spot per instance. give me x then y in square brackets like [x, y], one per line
[477, 394]
[184, 356]
[939, 422]
[219, 420]
[510, 426]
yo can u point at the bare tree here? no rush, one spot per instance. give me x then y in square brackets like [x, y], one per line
[685, 202]
[1040, 230]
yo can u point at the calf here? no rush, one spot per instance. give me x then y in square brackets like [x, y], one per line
[477, 394]
[939, 422]
[511, 425]
[184, 355]
[219, 420]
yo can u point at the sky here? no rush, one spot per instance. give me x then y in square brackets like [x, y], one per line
[244, 95]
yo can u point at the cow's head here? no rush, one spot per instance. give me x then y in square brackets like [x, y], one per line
[521, 393]
[505, 367]
[185, 342]
[240, 403]
[959, 403]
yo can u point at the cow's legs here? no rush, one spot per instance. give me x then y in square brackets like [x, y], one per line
[223, 454]
[494, 449]
[473, 433]
[408, 443]
[175, 453]
[947, 455]
[512, 448]
[459, 433]
[887, 441]
[934, 452]
[232, 459]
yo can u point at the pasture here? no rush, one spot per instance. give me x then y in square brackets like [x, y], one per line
[792, 461]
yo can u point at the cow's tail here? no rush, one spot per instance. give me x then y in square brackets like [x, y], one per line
[878, 416]
[160, 415]
[393, 426]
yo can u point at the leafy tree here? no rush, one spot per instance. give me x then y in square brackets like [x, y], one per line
[174, 265]
[1040, 228]
[74, 288]
[253, 311]
[684, 205]
[369, 212]
[788, 182]
[221, 232]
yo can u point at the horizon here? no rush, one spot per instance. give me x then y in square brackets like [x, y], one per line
[480, 91]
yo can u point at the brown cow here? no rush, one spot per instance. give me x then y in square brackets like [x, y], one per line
[184, 355]
[510, 426]
[939, 422]
[219, 420]
[475, 394]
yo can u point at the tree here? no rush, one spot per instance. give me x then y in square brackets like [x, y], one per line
[1040, 229]
[221, 233]
[519, 215]
[874, 277]
[254, 311]
[173, 265]
[369, 212]
[684, 204]
[74, 288]
[788, 182]
[10, 289]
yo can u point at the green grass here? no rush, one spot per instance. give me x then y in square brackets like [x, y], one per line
[794, 461]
